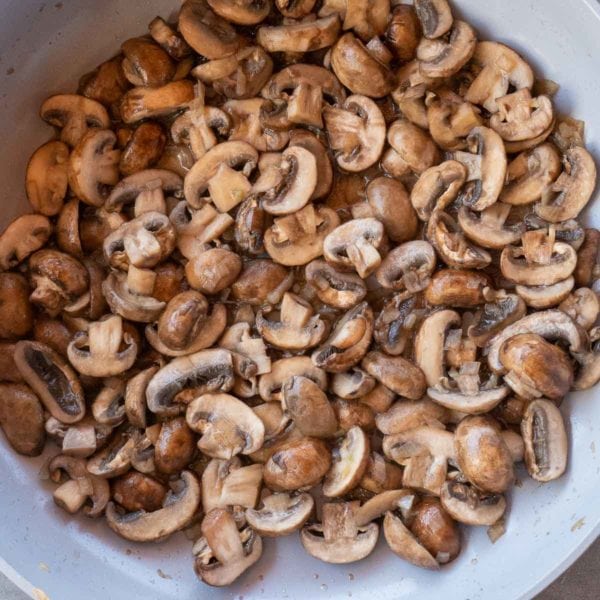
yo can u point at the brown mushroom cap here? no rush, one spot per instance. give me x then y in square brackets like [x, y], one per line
[22, 237]
[261, 281]
[16, 311]
[435, 16]
[138, 492]
[299, 37]
[145, 102]
[22, 419]
[46, 179]
[457, 288]
[396, 373]
[340, 290]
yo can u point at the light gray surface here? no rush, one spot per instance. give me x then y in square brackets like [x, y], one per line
[580, 582]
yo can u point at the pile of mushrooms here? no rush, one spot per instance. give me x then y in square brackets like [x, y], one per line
[326, 279]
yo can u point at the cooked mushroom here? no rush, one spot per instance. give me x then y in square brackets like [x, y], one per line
[352, 384]
[457, 288]
[16, 311]
[22, 418]
[308, 140]
[412, 149]
[483, 455]
[546, 443]
[338, 539]
[228, 426]
[403, 32]
[435, 16]
[163, 34]
[582, 306]
[178, 509]
[545, 296]
[356, 132]
[407, 267]
[174, 447]
[271, 384]
[145, 103]
[108, 407]
[115, 458]
[74, 115]
[350, 457]
[238, 339]
[212, 271]
[396, 373]
[135, 396]
[340, 290]
[146, 63]
[281, 514]
[262, 282]
[487, 228]
[587, 258]
[138, 492]
[348, 342]
[224, 553]
[466, 504]
[302, 36]
[22, 237]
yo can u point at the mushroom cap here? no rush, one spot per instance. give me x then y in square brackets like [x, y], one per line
[457, 288]
[247, 12]
[281, 514]
[396, 373]
[583, 306]
[270, 385]
[494, 316]
[404, 415]
[178, 510]
[407, 267]
[471, 404]
[337, 289]
[129, 188]
[470, 506]
[413, 146]
[308, 140]
[303, 36]
[145, 102]
[22, 237]
[352, 384]
[545, 296]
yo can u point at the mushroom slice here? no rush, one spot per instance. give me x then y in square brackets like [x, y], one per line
[224, 553]
[407, 267]
[162, 33]
[80, 486]
[46, 180]
[298, 238]
[550, 324]
[147, 187]
[437, 187]
[124, 300]
[146, 103]
[349, 462]
[356, 132]
[206, 371]
[108, 407]
[114, 459]
[501, 67]
[348, 342]
[228, 426]
[94, 166]
[270, 385]
[359, 69]
[227, 483]
[302, 36]
[227, 155]
[545, 296]
[435, 16]
[546, 443]
[340, 290]
[396, 373]
[74, 115]
[308, 406]
[439, 58]
[103, 356]
[297, 328]
[466, 504]
[487, 228]
[404, 415]
[135, 396]
[52, 379]
[241, 13]
[355, 244]
[239, 340]
[424, 452]
[569, 194]
[529, 174]
[297, 179]
[486, 165]
[521, 117]
[179, 507]
[338, 539]
[308, 140]
[412, 149]
[396, 322]
[583, 306]
[208, 34]
[281, 514]
[25, 235]
[352, 384]
[453, 247]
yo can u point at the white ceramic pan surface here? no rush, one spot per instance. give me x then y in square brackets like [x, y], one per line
[44, 47]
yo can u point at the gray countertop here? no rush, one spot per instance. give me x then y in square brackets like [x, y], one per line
[580, 582]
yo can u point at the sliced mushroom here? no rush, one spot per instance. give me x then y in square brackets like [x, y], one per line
[178, 509]
[262, 281]
[146, 63]
[546, 442]
[302, 36]
[165, 36]
[94, 167]
[439, 58]
[466, 504]
[348, 342]
[412, 149]
[22, 419]
[350, 457]
[340, 290]
[396, 373]
[545, 296]
[281, 514]
[115, 458]
[404, 415]
[238, 339]
[135, 396]
[582, 306]
[569, 194]
[457, 288]
[224, 553]
[352, 384]
[435, 16]
[147, 103]
[270, 386]
[587, 257]
[339, 539]
[16, 310]
[356, 132]
[135, 491]
[52, 379]
[22, 237]
[108, 407]
[403, 32]
[74, 115]
[228, 426]
[407, 267]
[487, 228]
[308, 140]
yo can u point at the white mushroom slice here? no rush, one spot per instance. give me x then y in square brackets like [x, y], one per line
[378, 505]
[435, 16]
[355, 244]
[468, 505]
[412, 149]
[303, 36]
[227, 483]
[270, 386]
[529, 174]
[404, 415]
[178, 509]
[115, 459]
[238, 339]
[487, 228]
[439, 58]
[583, 306]
[501, 67]
[546, 443]
[281, 514]
[407, 267]
[297, 328]
[486, 165]
[349, 462]
[108, 407]
[424, 452]
[146, 102]
[224, 553]
[273, 417]
[521, 117]
[550, 324]
[23, 237]
[569, 194]
[352, 384]
[135, 396]
[94, 166]
[545, 296]
[103, 357]
[356, 132]
[339, 540]
[228, 426]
